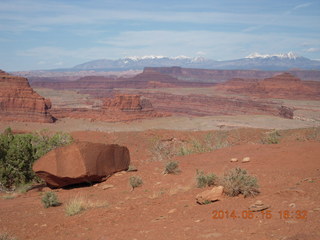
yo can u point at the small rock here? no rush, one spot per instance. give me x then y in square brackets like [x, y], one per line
[210, 195]
[172, 210]
[197, 221]
[211, 235]
[292, 205]
[107, 186]
[245, 159]
[234, 160]
[316, 209]
[291, 221]
[258, 206]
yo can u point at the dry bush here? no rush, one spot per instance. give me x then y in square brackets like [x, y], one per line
[171, 167]
[50, 199]
[205, 180]
[5, 236]
[135, 181]
[238, 181]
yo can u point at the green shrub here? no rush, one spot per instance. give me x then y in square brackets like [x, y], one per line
[272, 138]
[135, 181]
[50, 199]
[75, 206]
[19, 151]
[205, 180]
[171, 167]
[238, 181]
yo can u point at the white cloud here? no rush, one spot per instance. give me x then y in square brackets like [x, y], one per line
[303, 5]
[312, 50]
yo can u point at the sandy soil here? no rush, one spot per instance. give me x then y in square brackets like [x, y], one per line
[164, 207]
[169, 123]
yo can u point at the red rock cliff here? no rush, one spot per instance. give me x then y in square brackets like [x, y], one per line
[18, 101]
[128, 103]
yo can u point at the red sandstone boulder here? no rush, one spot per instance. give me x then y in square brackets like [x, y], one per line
[209, 196]
[81, 162]
[18, 101]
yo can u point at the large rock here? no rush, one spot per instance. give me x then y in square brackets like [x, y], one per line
[209, 196]
[18, 101]
[81, 162]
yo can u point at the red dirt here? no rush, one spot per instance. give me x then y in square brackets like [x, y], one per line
[164, 206]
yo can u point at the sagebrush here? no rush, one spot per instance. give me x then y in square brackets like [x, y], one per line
[204, 180]
[5, 236]
[135, 181]
[50, 199]
[238, 181]
[171, 167]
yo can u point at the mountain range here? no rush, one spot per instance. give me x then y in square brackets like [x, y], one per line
[255, 61]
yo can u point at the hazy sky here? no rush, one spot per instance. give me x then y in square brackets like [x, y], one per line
[46, 34]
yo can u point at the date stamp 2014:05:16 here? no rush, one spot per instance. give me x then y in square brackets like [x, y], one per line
[267, 214]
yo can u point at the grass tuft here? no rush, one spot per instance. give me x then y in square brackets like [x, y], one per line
[75, 206]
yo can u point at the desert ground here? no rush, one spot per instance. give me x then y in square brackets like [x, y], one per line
[196, 132]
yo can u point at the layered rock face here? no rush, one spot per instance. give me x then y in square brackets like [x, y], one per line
[81, 162]
[128, 103]
[18, 101]
[284, 86]
[123, 107]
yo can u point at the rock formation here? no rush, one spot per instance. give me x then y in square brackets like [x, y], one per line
[284, 86]
[128, 103]
[81, 162]
[286, 112]
[18, 101]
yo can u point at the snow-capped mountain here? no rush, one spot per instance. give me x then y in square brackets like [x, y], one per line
[145, 61]
[253, 61]
[289, 55]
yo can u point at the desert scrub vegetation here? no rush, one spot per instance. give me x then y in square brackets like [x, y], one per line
[167, 149]
[135, 181]
[79, 204]
[313, 134]
[50, 199]
[271, 138]
[238, 181]
[19, 151]
[204, 180]
[75, 206]
[171, 167]
[161, 150]
[209, 142]
[5, 236]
